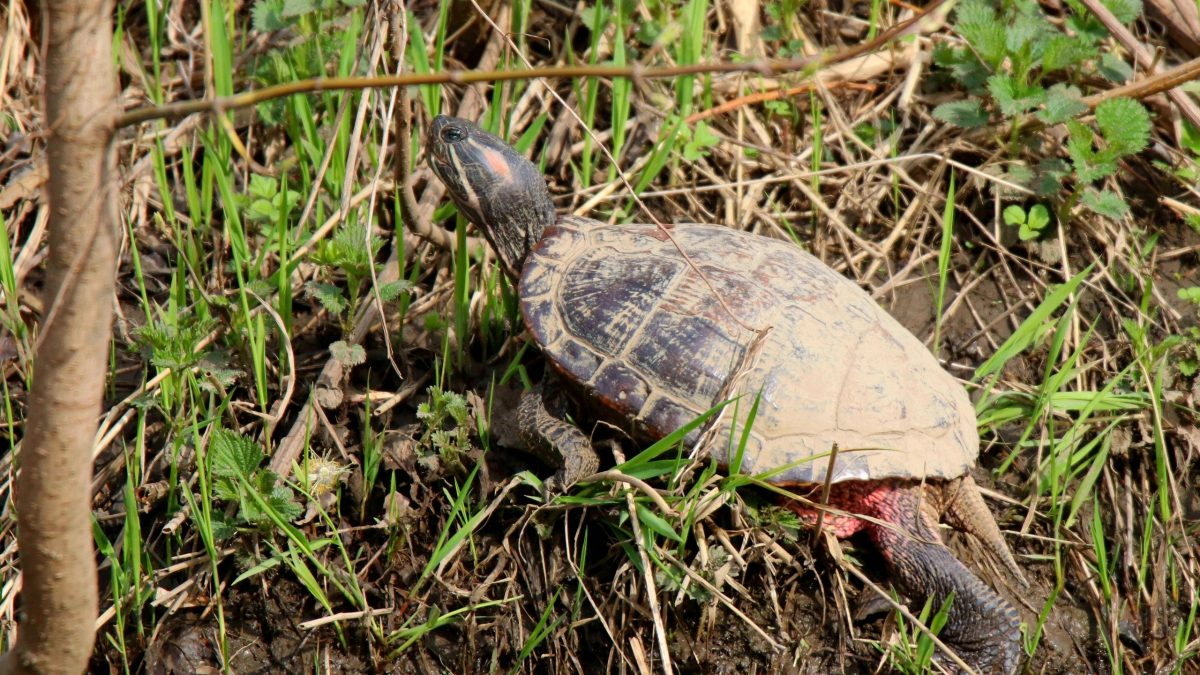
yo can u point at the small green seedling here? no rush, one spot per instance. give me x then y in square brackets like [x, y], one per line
[1189, 346]
[1032, 224]
[349, 255]
[266, 199]
[447, 420]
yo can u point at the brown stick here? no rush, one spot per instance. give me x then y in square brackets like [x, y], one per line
[52, 487]
[634, 72]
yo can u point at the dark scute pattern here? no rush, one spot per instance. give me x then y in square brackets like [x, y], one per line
[665, 416]
[622, 388]
[560, 241]
[604, 301]
[688, 355]
[577, 359]
[538, 278]
[539, 316]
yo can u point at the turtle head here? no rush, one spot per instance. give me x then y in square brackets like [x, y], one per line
[500, 191]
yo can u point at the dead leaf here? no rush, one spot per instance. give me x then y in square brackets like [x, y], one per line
[24, 186]
[748, 30]
[328, 398]
[1181, 19]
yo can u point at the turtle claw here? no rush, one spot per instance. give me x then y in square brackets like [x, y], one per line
[547, 433]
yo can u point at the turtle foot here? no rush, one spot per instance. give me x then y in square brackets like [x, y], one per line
[982, 628]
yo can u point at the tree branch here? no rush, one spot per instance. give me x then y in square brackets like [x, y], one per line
[59, 597]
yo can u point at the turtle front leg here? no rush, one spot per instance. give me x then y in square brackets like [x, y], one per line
[543, 425]
[981, 627]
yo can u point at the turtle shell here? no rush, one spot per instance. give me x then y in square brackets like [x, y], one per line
[618, 310]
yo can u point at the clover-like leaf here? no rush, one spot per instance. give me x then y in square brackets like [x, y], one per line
[1190, 294]
[1014, 215]
[1039, 217]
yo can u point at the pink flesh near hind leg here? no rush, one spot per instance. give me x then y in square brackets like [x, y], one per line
[853, 497]
[981, 627]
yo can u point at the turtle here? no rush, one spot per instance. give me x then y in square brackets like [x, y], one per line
[656, 324]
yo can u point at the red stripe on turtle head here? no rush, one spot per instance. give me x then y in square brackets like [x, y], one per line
[497, 163]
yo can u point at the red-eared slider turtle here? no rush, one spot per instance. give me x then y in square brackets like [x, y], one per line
[658, 337]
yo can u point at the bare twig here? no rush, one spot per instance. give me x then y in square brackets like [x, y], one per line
[1187, 107]
[634, 72]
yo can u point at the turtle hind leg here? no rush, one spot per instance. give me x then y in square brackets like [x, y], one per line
[543, 426]
[981, 627]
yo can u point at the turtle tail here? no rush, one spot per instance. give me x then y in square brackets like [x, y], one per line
[965, 510]
[981, 627]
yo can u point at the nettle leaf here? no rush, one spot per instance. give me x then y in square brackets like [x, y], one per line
[1063, 101]
[393, 289]
[347, 354]
[266, 16]
[988, 41]
[979, 26]
[967, 113]
[1125, 10]
[1089, 165]
[1049, 176]
[1013, 96]
[963, 66]
[975, 12]
[223, 527]
[329, 295]
[1113, 68]
[283, 502]
[1125, 125]
[1024, 36]
[1063, 51]
[1018, 174]
[1085, 25]
[1105, 203]
[233, 454]
[226, 490]
[295, 8]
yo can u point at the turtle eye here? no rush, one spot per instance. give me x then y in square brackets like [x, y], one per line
[453, 135]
